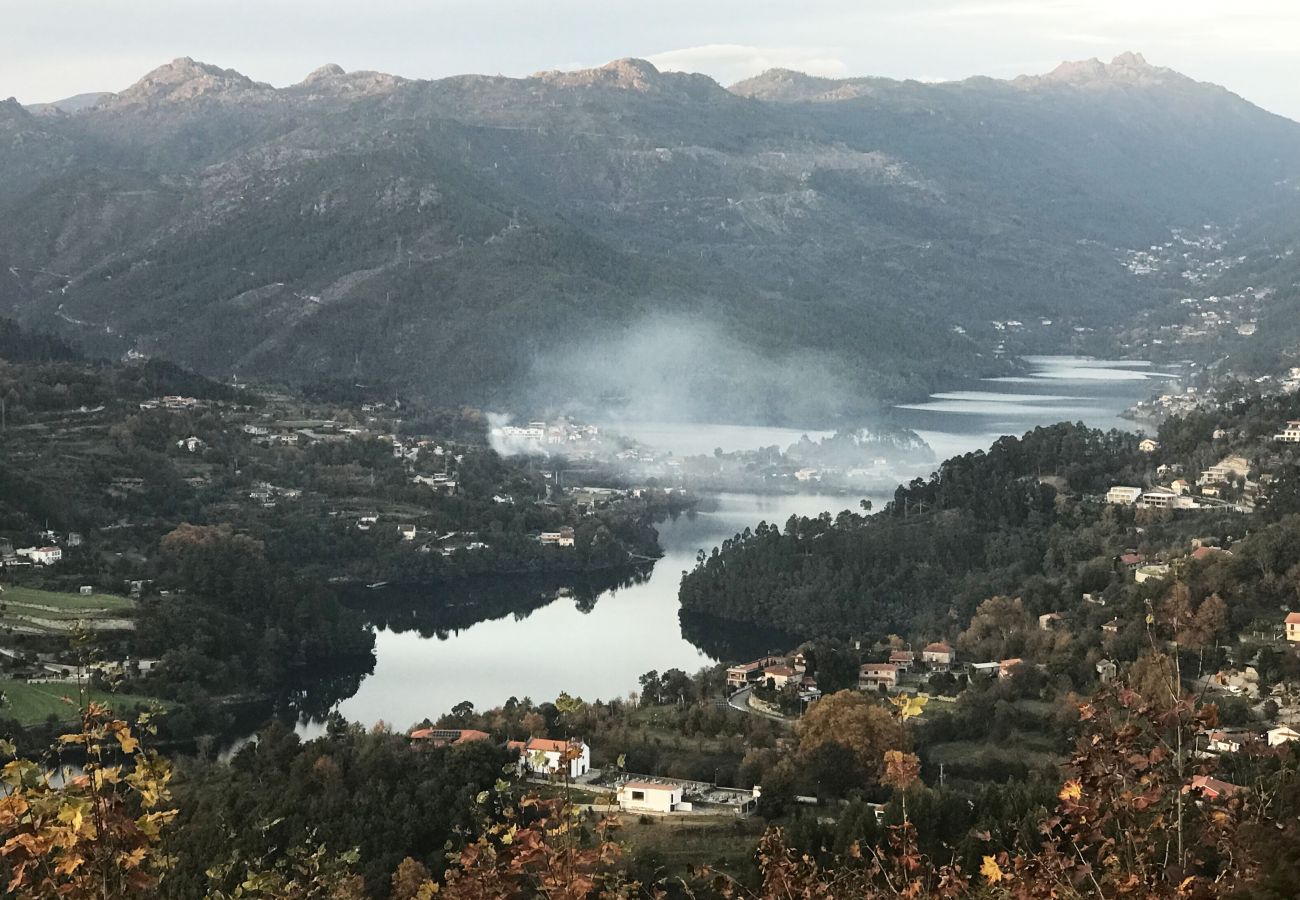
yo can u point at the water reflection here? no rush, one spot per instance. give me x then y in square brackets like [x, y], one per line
[489, 640]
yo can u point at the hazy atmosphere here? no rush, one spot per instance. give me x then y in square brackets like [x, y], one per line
[501, 450]
[51, 50]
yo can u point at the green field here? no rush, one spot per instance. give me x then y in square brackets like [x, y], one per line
[44, 611]
[25, 596]
[31, 704]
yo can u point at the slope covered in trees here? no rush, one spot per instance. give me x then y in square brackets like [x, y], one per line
[981, 525]
[486, 238]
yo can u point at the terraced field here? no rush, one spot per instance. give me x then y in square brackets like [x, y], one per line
[33, 611]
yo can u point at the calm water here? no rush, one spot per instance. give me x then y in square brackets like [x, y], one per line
[599, 650]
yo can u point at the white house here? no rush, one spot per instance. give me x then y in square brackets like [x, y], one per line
[191, 444]
[543, 756]
[1148, 445]
[44, 556]
[651, 796]
[1290, 434]
[1283, 734]
[1125, 496]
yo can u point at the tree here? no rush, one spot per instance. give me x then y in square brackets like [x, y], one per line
[865, 728]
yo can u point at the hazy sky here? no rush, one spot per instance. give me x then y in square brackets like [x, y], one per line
[54, 48]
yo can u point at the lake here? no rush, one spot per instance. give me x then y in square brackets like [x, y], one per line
[600, 649]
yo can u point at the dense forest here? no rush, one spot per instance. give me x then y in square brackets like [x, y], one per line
[981, 525]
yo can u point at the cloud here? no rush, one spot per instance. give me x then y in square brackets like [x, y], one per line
[729, 63]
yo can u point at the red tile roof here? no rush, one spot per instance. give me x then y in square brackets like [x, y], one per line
[548, 745]
[1293, 618]
[938, 647]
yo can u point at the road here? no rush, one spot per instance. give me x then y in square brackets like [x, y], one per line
[740, 701]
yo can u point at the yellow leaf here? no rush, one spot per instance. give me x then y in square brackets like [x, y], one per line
[991, 870]
[1071, 790]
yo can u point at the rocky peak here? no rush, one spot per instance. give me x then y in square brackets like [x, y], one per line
[632, 74]
[324, 73]
[185, 79]
[1127, 68]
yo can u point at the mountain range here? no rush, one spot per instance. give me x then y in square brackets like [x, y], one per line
[790, 248]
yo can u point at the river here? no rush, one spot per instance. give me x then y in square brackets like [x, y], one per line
[600, 650]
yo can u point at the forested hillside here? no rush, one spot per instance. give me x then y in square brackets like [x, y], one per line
[790, 248]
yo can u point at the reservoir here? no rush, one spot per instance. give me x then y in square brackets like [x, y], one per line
[597, 645]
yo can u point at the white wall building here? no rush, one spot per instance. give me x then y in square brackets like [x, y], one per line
[1290, 434]
[44, 556]
[543, 756]
[1125, 496]
[650, 796]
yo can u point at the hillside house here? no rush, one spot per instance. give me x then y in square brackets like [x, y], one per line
[1148, 445]
[938, 656]
[1283, 734]
[651, 797]
[1123, 496]
[874, 676]
[543, 756]
[406, 532]
[42, 556]
[443, 737]
[902, 659]
[1009, 667]
[1290, 434]
[1106, 670]
[779, 676]
[1048, 621]
[1293, 626]
[561, 538]
[1131, 560]
[1227, 469]
[1225, 741]
[1210, 787]
[191, 444]
[1111, 628]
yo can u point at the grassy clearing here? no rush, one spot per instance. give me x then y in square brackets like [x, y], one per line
[59, 600]
[674, 844]
[32, 704]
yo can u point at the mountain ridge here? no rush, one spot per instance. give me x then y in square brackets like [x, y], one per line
[512, 240]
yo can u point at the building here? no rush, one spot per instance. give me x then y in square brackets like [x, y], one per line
[442, 737]
[1180, 486]
[406, 532]
[1226, 741]
[1149, 445]
[779, 676]
[903, 660]
[746, 673]
[543, 756]
[1008, 667]
[1047, 621]
[1210, 787]
[1290, 434]
[651, 797]
[191, 444]
[873, 676]
[1293, 626]
[1283, 734]
[1150, 573]
[1106, 670]
[752, 672]
[938, 656]
[1156, 498]
[1227, 469]
[1111, 627]
[561, 538]
[1124, 496]
[42, 556]
[1131, 560]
